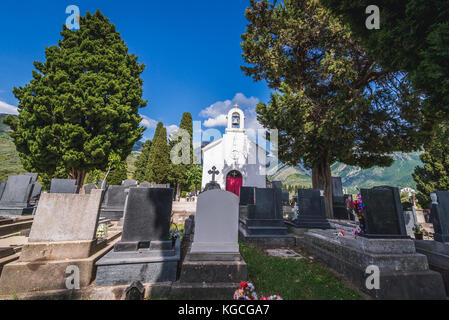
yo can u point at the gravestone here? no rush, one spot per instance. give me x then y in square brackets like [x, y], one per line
[113, 205]
[349, 198]
[65, 186]
[247, 195]
[145, 184]
[410, 219]
[262, 223]
[2, 188]
[35, 195]
[312, 210]
[285, 198]
[89, 187]
[33, 176]
[145, 253]
[338, 200]
[16, 196]
[63, 235]
[440, 216]
[212, 185]
[383, 216]
[213, 265]
[276, 184]
[129, 183]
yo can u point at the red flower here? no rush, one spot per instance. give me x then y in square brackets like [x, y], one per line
[243, 285]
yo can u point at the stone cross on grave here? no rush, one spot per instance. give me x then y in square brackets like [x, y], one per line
[213, 172]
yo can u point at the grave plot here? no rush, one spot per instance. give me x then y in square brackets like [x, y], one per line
[63, 235]
[382, 242]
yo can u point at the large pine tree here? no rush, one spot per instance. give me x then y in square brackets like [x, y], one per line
[332, 102]
[434, 175]
[82, 104]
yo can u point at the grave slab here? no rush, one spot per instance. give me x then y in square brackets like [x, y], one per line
[404, 274]
[312, 212]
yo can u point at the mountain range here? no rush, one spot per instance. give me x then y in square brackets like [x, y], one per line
[398, 175]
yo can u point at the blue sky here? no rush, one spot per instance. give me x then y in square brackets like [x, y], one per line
[191, 50]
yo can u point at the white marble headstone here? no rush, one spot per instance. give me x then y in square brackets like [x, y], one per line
[216, 223]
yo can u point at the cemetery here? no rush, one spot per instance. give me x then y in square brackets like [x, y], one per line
[326, 181]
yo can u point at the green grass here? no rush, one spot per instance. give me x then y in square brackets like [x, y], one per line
[293, 279]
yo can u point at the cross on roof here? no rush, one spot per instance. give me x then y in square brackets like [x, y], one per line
[214, 172]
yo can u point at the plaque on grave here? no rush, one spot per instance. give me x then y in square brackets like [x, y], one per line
[312, 211]
[16, 196]
[440, 216]
[383, 216]
[65, 186]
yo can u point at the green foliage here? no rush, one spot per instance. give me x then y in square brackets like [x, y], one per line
[332, 102]
[434, 174]
[82, 104]
[413, 36]
[142, 162]
[159, 166]
[181, 142]
[118, 174]
[194, 176]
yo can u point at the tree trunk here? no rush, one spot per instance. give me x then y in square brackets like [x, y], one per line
[79, 176]
[322, 180]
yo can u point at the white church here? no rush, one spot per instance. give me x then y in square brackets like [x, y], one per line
[238, 161]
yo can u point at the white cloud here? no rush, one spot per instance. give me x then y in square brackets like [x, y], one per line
[219, 121]
[148, 122]
[7, 108]
[171, 129]
[217, 112]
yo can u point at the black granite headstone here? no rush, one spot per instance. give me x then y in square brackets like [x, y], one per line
[247, 195]
[16, 196]
[338, 200]
[285, 198]
[63, 186]
[147, 218]
[276, 184]
[312, 210]
[265, 216]
[113, 205]
[440, 216]
[33, 176]
[2, 188]
[383, 216]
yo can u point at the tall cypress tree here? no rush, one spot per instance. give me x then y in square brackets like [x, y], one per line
[142, 162]
[179, 171]
[434, 175]
[158, 169]
[82, 104]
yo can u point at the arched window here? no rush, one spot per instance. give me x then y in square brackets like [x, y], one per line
[236, 120]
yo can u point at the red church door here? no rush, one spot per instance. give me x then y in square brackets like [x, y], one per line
[234, 181]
